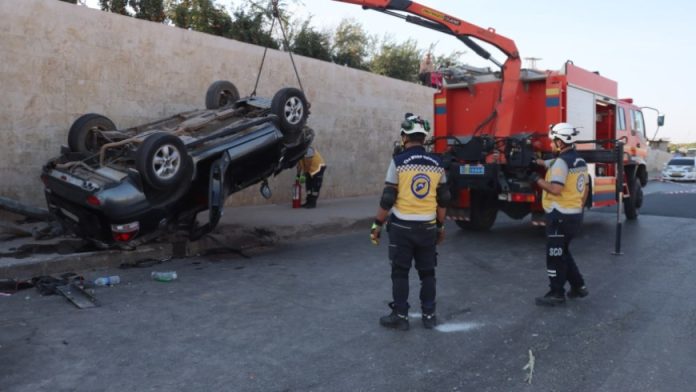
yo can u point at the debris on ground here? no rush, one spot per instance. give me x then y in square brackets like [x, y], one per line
[62, 247]
[166, 276]
[529, 367]
[15, 207]
[69, 285]
[11, 286]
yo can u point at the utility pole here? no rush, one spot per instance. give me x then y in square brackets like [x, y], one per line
[532, 62]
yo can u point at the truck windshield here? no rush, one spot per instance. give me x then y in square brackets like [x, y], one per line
[681, 162]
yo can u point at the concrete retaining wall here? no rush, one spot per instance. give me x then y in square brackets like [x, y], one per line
[656, 161]
[60, 61]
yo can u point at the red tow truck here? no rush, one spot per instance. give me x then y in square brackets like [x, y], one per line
[490, 124]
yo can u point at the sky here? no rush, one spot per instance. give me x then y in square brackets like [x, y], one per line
[644, 45]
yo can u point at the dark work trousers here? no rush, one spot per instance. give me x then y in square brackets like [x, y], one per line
[313, 183]
[560, 265]
[412, 241]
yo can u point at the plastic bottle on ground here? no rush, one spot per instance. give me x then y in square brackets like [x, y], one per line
[166, 276]
[107, 280]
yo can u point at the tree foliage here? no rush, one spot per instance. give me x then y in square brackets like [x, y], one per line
[252, 22]
[152, 10]
[311, 43]
[397, 60]
[351, 45]
[115, 6]
[252, 27]
[199, 15]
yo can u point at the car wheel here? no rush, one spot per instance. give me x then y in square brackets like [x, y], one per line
[85, 133]
[221, 94]
[163, 162]
[290, 105]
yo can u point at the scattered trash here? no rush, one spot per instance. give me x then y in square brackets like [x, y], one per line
[76, 294]
[530, 368]
[107, 280]
[69, 285]
[47, 285]
[166, 276]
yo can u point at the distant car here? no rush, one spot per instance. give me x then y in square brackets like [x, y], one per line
[680, 169]
[129, 186]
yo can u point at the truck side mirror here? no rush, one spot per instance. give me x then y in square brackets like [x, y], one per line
[660, 120]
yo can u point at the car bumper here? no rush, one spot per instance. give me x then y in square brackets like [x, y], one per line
[678, 176]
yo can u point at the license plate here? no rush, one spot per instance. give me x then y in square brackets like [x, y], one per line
[677, 175]
[475, 170]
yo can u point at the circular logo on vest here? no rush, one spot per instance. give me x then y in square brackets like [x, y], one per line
[420, 186]
[581, 183]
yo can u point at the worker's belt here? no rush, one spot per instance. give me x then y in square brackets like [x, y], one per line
[408, 224]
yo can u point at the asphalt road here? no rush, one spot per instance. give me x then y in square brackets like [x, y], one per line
[304, 317]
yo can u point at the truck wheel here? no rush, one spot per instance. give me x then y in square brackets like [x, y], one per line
[484, 211]
[163, 162]
[633, 203]
[220, 94]
[85, 133]
[290, 105]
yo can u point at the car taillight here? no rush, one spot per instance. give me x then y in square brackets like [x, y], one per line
[93, 201]
[125, 232]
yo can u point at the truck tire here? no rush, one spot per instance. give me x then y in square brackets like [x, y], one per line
[163, 162]
[290, 105]
[84, 135]
[633, 203]
[484, 211]
[221, 94]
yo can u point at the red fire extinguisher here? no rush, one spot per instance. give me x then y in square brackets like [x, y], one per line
[297, 194]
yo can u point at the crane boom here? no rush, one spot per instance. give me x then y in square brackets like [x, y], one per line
[421, 15]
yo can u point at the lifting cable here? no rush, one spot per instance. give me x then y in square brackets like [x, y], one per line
[276, 15]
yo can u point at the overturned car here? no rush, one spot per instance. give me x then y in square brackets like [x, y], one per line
[129, 186]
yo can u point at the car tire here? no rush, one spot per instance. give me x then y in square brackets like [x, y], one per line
[83, 136]
[163, 162]
[290, 105]
[633, 203]
[484, 211]
[221, 94]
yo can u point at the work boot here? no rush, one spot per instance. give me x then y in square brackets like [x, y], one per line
[429, 320]
[395, 319]
[578, 292]
[311, 202]
[552, 298]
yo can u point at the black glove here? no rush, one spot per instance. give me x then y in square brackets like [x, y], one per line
[534, 177]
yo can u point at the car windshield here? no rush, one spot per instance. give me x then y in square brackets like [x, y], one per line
[681, 162]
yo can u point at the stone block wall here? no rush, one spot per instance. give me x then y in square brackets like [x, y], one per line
[60, 61]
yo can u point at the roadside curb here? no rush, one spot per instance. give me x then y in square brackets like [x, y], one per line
[226, 237]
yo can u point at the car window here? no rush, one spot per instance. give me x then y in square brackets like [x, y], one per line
[681, 162]
[621, 123]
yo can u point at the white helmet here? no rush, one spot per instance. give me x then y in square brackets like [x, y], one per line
[564, 132]
[414, 124]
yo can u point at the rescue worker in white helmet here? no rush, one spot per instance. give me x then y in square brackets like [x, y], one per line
[416, 193]
[564, 193]
[310, 171]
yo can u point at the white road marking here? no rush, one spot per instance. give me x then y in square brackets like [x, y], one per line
[451, 327]
[459, 327]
